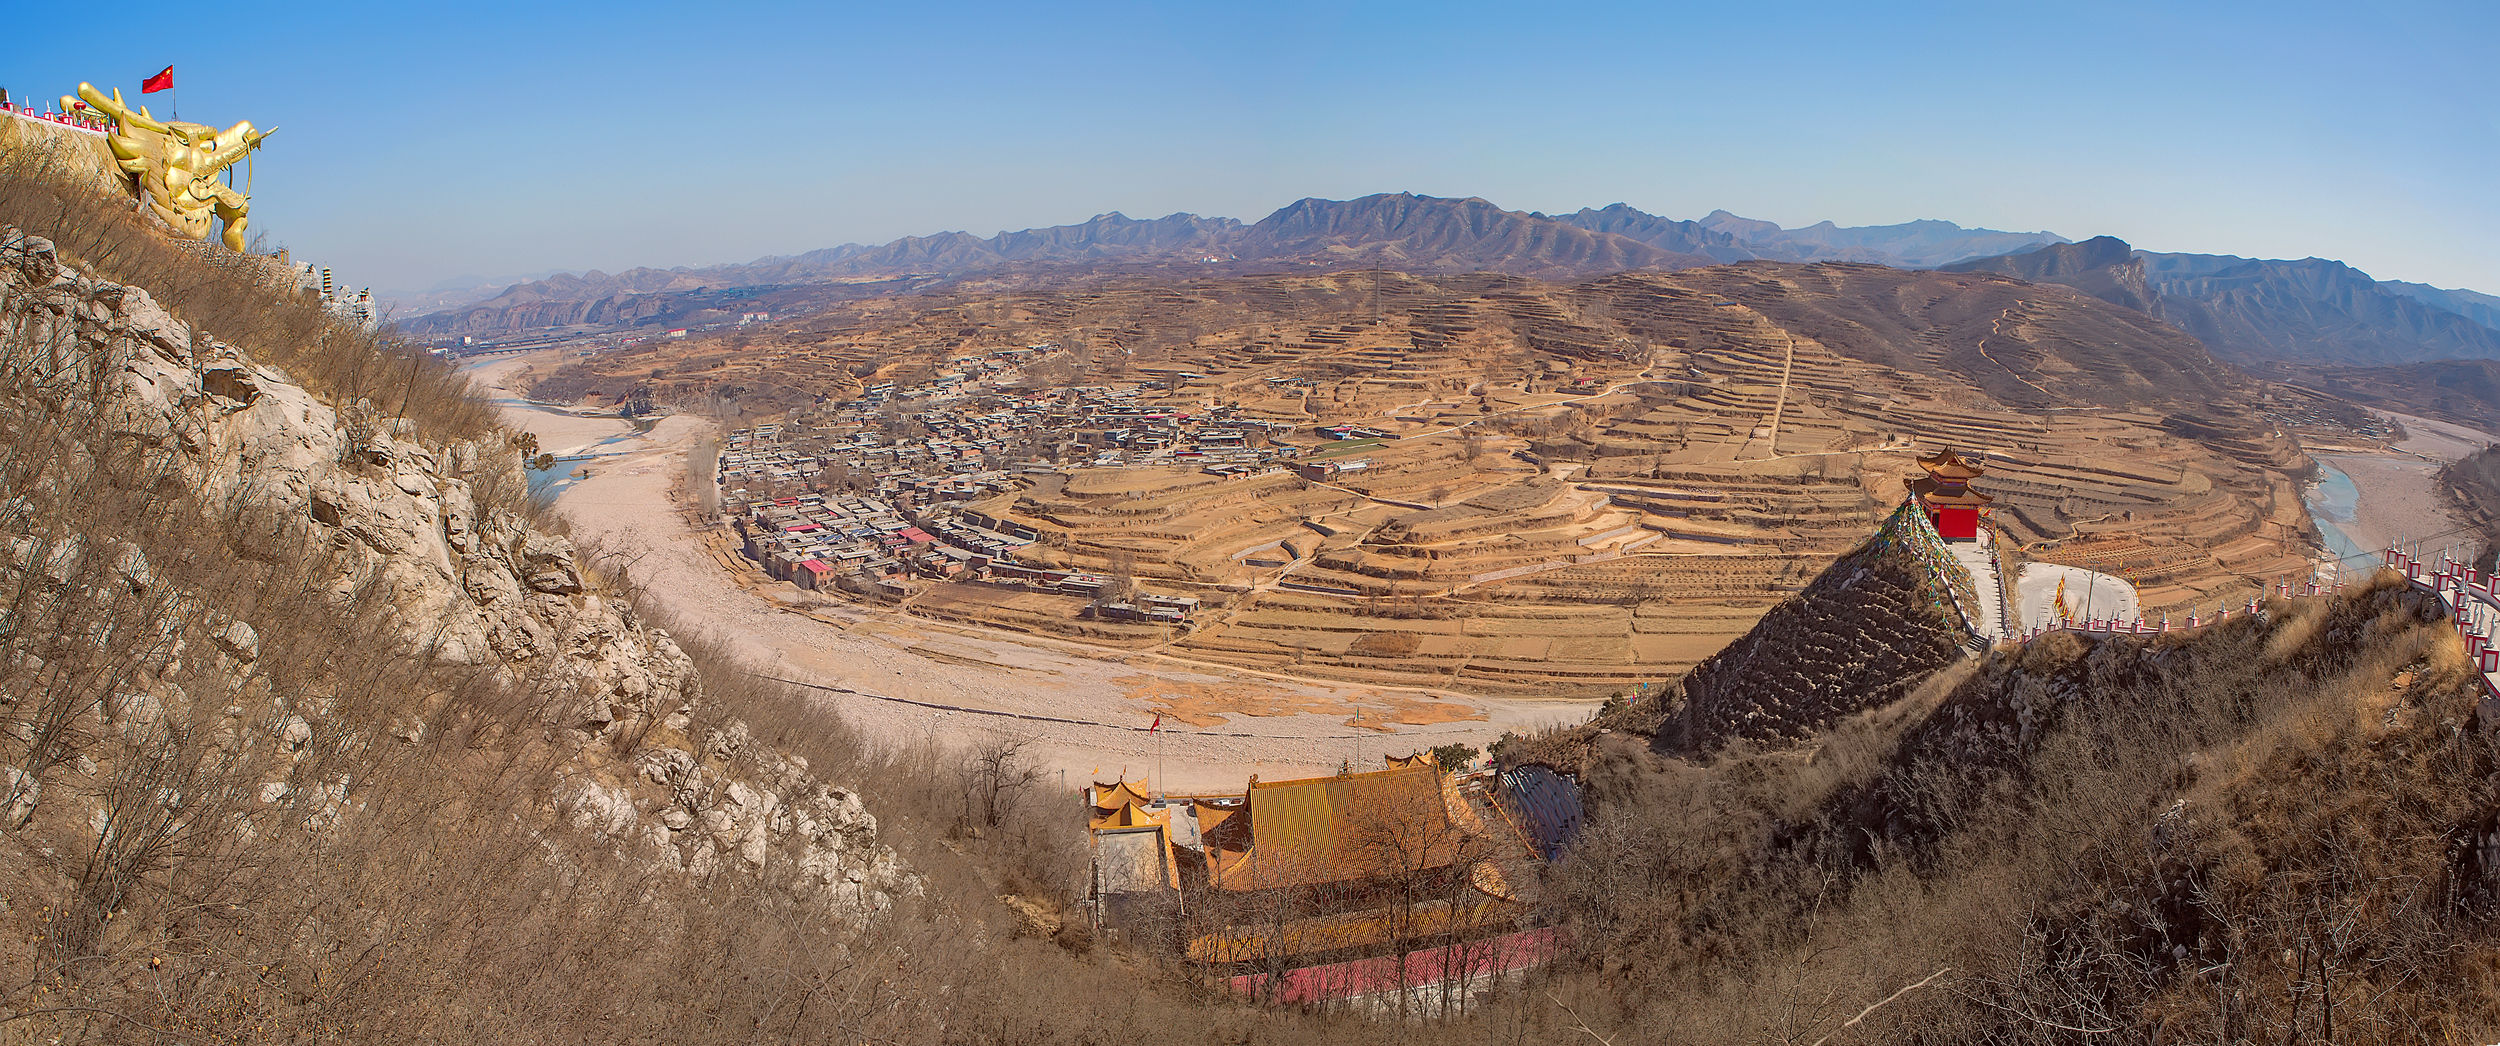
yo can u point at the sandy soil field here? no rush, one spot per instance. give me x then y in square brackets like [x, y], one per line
[2398, 493]
[2440, 440]
[2400, 498]
[1219, 725]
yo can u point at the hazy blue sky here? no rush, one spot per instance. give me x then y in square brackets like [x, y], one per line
[450, 138]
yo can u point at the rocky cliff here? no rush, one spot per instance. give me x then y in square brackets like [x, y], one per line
[166, 490]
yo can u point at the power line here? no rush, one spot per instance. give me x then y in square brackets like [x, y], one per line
[1029, 717]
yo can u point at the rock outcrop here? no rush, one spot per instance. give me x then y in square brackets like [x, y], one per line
[2103, 267]
[426, 528]
[1862, 635]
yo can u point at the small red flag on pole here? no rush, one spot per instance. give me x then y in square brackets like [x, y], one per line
[1158, 725]
[163, 81]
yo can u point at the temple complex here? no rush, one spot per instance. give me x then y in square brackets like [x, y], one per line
[1298, 874]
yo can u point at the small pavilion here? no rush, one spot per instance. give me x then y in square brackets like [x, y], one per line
[1943, 492]
[1134, 868]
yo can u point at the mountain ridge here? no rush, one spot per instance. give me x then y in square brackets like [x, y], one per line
[1921, 244]
[2473, 305]
[2265, 312]
[1405, 231]
[2312, 310]
[1439, 235]
[2104, 267]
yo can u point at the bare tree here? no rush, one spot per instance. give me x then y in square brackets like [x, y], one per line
[1424, 865]
[996, 777]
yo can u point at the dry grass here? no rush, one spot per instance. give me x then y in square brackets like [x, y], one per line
[2222, 833]
[245, 300]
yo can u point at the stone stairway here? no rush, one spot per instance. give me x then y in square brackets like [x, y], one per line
[1988, 619]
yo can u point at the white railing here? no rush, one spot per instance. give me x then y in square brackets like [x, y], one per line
[2473, 601]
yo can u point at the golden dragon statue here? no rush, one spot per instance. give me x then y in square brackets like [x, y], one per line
[178, 164]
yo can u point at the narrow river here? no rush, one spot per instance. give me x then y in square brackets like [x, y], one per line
[562, 431]
[2334, 500]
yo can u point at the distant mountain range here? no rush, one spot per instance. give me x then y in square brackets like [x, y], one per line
[451, 293]
[2309, 319]
[1419, 234]
[2269, 314]
[1725, 237]
[2478, 307]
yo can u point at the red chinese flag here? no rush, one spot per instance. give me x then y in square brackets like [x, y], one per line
[163, 81]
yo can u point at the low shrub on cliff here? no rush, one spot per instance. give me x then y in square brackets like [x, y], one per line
[245, 299]
[2267, 831]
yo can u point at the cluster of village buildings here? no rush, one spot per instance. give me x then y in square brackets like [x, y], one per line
[869, 493]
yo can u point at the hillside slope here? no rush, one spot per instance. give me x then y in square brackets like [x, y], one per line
[2103, 267]
[285, 680]
[2027, 345]
[2265, 313]
[2280, 829]
[2463, 391]
[2473, 485]
[2307, 311]
[1860, 636]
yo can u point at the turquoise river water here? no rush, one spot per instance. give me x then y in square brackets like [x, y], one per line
[2332, 501]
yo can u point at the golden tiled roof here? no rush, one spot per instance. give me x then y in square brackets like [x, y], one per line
[1342, 828]
[1129, 815]
[1945, 464]
[1118, 793]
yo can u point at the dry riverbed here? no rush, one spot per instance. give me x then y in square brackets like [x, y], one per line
[2396, 495]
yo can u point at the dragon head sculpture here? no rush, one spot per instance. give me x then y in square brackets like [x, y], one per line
[178, 163]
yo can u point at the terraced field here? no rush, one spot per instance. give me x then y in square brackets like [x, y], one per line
[1574, 487]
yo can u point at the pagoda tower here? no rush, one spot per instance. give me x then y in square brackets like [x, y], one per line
[1943, 492]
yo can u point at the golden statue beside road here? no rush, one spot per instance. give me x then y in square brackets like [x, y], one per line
[178, 163]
